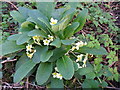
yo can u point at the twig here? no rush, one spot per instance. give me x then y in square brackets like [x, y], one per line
[8, 61]
[112, 64]
[27, 80]
[11, 4]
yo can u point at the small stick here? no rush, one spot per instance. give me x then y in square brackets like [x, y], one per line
[8, 61]
[11, 4]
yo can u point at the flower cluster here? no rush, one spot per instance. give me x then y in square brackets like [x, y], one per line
[47, 41]
[78, 45]
[79, 59]
[37, 39]
[30, 51]
[56, 74]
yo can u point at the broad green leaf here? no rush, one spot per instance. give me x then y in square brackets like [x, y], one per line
[90, 75]
[81, 18]
[69, 31]
[56, 83]
[65, 67]
[14, 37]
[24, 30]
[23, 59]
[36, 56]
[17, 16]
[37, 33]
[56, 42]
[28, 25]
[94, 51]
[45, 22]
[43, 72]
[35, 14]
[45, 56]
[68, 42]
[57, 53]
[46, 8]
[24, 11]
[84, 71]
[23, 70]
[57, 13]
[75, 66]
[59, 25]
[90, 83]
[23, 39]
[10, 47]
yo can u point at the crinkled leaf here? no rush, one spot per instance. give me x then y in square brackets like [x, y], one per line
[10, 47]
[81, 18]
[17, 16]
[56, 83]
[57, 53]
[69, 31]
[23, 70]
[23, 39]
[46, 8]
[14, 37]
[56, 42]
[65, 67]
[68, 42]
[37, 33]
[43, 72]
[94, 51]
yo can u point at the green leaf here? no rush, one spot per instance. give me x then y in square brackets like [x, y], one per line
[75, 66]
[28, 25]
[23, 11]
[46, 8]
[56, 42]
[94, 51]
[84, 71]
[69, 31]
[23, 70]
[17, 16]
[14, 37]
[35, 14]
[90, 83]
[36, 56]
[23, 59]
[45, 22]
[56, 83]
[68, 42]
[45, 56]
[57, 53]
[65, 67]
[90, 75]
[81, 18]
[43, 72]
[23, 39]
[10, 47]
[37, 33]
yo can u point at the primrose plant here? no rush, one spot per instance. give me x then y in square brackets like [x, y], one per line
[46, 44]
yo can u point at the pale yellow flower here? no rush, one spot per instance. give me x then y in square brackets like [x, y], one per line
[30, 55]
[79, 58]
[29, 48]
[50, 38]
[53, 21]
[46, 42]
[79, 44]
[59, 76]
[54, 74]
